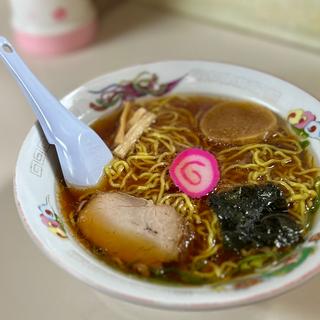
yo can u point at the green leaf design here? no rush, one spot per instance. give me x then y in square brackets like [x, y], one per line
[299, 132]
[99, 101]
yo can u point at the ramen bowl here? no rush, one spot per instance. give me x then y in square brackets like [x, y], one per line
[37, 172]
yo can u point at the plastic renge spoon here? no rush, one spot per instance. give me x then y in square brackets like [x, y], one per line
[82, 153]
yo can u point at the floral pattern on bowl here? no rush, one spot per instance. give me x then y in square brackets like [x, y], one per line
[304, 123]
[50, 219]
[144, 84]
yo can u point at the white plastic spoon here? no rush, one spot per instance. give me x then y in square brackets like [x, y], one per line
[81, 152]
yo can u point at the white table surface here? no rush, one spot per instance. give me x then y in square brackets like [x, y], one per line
[31, 287]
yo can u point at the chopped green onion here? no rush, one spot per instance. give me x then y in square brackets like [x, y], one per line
[304, 144]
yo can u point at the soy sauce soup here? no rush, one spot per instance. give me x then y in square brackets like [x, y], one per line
[268, 186]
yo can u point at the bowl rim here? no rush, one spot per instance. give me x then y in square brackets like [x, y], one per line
[148, 301]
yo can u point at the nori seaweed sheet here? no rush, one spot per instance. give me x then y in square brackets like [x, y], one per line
[255, 216]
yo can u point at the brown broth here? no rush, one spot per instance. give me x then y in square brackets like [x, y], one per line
[106, 127]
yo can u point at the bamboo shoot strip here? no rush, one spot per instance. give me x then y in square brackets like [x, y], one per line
[134, 134]
[136, 116]
[123, 124]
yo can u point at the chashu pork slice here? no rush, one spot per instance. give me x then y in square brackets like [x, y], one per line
[133, 229]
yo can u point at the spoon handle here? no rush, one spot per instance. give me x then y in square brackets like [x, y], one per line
[44, 104]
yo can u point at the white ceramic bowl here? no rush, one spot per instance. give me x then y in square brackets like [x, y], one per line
[35, 183]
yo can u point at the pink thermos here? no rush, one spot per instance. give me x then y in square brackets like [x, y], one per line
[49, 27]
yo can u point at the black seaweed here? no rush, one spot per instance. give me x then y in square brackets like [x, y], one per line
[255, 216]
